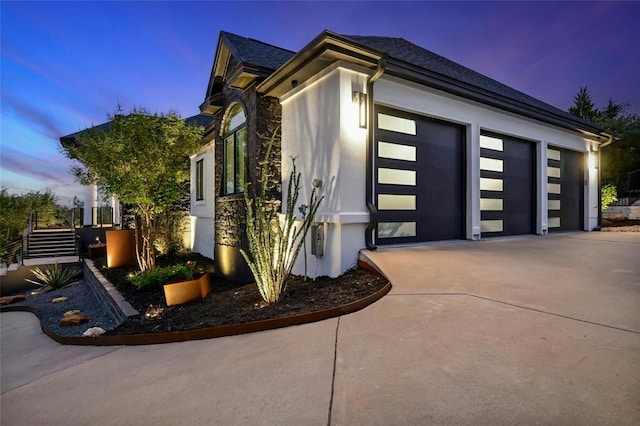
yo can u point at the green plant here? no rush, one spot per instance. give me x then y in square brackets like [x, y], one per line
[55, 276]
[273, 245]
[143, 158]
[163, 275]
[609, 194]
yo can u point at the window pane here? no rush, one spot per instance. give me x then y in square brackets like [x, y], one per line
[553, 188]
[200, 180]
[489, 184]
[396, 151]
[491, 226]
[396, 202]
[241, 155]
[490, 164]
[554, 204]
[490, 204]
[396, 124]
[553, 154]
[396, 177]
[235, 118]
[490, 143]
[396, 229]
[553, 172]
[229, 165]
[554, 222]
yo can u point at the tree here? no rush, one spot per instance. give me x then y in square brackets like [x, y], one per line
[623, 156]
[583, 105]
[15, 210]
[143, 159]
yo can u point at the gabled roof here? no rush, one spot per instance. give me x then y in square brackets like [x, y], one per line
[240, 61]
[399, 58]
[255, 52]
[401, 49]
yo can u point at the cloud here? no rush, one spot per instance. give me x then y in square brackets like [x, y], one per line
[49, 170]
[32, 116]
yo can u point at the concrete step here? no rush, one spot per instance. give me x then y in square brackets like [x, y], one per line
[50, 260]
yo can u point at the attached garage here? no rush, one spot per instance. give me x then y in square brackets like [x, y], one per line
[565, 183]
[507, 185]
[419, 178]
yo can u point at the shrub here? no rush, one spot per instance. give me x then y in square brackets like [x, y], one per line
[162, 275]
[55, 276]
[274, 246]
[609, 194]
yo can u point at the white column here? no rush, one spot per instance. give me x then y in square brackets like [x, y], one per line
[542, 193]
[115, 205]
[473, 181]
[591, 179]
[90, 201]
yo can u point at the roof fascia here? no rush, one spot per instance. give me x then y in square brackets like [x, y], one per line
[419, 75]
[326, 42]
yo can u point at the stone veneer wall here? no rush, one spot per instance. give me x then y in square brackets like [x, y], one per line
[263, 119]
[117, 307]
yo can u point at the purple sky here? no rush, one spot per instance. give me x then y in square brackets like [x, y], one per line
[65, 65]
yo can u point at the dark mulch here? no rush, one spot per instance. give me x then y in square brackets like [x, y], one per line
[232, 303]
[616, 223]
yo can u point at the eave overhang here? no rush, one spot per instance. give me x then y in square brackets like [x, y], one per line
[403, 70]
[320, 53]
[329, 47]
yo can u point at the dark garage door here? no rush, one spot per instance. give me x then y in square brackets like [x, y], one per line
[419, 178]
[507, 186]
[565, 177]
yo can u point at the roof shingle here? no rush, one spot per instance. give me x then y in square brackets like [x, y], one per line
[403, 50]
[255, 52]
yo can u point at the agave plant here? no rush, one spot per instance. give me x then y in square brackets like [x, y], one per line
[55, 276]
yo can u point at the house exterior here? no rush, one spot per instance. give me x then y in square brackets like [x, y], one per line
[408, 147]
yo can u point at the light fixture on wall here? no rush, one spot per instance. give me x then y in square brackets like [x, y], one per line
[360, 99]
[593, 158]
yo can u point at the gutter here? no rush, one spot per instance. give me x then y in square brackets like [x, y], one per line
[602, 145]
[373, 211]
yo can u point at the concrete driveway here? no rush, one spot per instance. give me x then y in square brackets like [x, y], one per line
[524, 330]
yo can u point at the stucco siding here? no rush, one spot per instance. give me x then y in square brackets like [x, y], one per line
[320, 130]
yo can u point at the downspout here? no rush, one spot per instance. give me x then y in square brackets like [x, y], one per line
[373, 211]
[602, 145]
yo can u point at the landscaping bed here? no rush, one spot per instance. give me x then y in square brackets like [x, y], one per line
[620, 225]
[232, 303]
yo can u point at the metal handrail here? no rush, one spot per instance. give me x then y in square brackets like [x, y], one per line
[14, 252]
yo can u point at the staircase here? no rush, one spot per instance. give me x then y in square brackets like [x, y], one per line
[51, 243]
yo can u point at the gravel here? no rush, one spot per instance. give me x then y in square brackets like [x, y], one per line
[81, 298]
[632, 228]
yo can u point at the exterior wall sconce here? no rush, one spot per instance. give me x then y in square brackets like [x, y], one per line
[360, 99]
[593, 158]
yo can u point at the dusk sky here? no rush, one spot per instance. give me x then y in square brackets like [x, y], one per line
[65, 65]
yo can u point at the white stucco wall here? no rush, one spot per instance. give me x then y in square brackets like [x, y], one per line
[320, 129]
[476, 117]
[202, 212]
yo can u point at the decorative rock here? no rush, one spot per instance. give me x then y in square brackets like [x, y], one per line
[7, 300]
[93, 332]
[73, 312]
[60, 299]
[76, 319]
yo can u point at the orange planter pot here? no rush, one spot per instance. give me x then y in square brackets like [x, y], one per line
[187, 291]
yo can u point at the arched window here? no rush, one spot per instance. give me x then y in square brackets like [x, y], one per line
[235, 151]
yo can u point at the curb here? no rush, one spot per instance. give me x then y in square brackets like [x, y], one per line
[209, 332]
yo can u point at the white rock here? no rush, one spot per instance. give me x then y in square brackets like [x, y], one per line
[94, 332]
